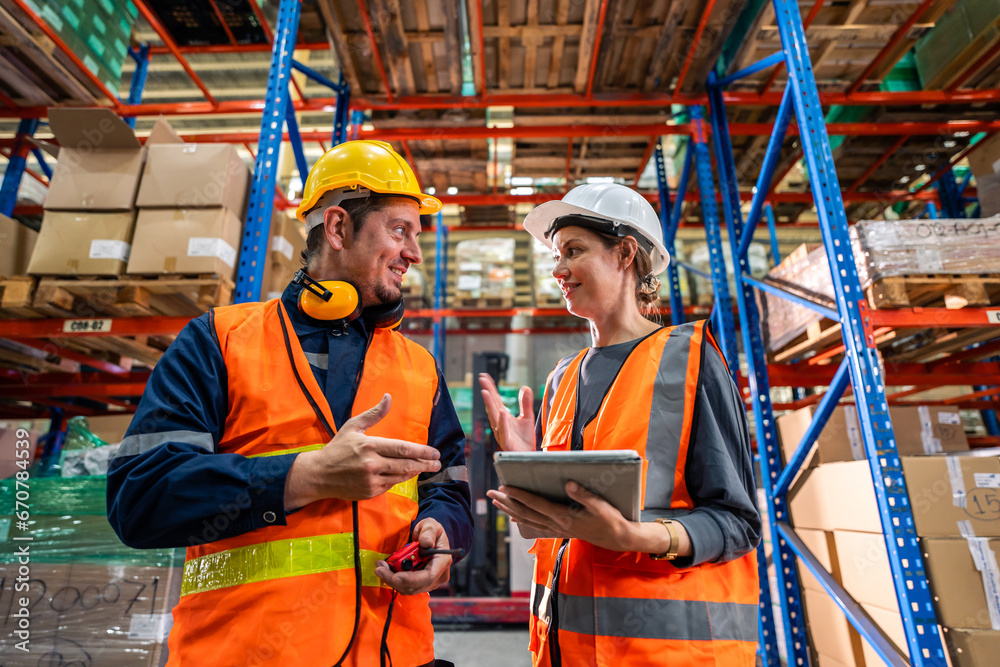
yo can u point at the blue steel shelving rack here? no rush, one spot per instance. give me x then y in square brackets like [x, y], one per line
[278, 116]
[861, 367]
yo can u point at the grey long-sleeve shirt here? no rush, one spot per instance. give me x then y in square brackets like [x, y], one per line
[725, 522]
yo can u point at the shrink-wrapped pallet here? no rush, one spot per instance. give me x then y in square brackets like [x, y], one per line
[91, 599]
[900, 263]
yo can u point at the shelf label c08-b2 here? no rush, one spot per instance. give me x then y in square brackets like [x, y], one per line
[87, 325]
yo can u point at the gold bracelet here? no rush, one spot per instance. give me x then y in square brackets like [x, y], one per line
[671, 552]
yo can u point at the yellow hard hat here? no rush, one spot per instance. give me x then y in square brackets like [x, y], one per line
[363, 163]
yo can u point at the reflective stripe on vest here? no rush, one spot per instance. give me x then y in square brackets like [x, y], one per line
[650, 407]
[685, 620]
[274, 560]
[407, 489]
[282, 580]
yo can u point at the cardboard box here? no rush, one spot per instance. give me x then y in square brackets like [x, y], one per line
[892, 624]
[830, 633]
[288, 240]
[956, 495]
[194, 176]
[835, 496]
[9, 459]
[83, 243]
[284, 256]
[17, 241]
[960, 571]
[276, 277]
[988, 186]
[928, 430]
[823, 547]
[110, 428]
[918, 429]
[174, 240]
[100, 161]
[840, 439]
[108, 615]
[973, 648]
[864, 568]
[985, 160]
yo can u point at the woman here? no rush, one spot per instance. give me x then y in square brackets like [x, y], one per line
[679, 587]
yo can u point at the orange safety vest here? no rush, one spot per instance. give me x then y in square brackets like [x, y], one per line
[285, 595]
[623, 608]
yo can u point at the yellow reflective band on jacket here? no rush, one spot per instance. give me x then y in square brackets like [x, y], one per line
[275, 560]
[407, 489]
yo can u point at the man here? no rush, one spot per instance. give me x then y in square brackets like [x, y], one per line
[293, 445]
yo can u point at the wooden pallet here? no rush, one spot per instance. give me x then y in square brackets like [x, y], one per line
[549, 301]
[27, 297]
[485, 302]
[818, 336]
[15, 297]
[935, 290]
[119, 297]
[921, 346]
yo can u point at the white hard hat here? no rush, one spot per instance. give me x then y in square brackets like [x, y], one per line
[610, 208]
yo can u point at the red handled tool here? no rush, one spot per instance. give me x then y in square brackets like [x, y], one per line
[412, 557]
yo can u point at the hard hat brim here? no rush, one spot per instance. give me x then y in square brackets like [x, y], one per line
[540, 218]
[428, 204]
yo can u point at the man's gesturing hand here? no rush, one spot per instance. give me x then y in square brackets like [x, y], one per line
[355, 466]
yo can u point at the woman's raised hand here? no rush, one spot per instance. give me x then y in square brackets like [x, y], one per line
[514, 434]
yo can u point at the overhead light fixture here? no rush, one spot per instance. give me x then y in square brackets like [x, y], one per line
[599, 179]
[522, 180]
[522, 191]
[453, 190]
[431, 190]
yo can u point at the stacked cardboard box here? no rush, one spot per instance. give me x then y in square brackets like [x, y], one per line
[191, 200]
[485, 269]
[833, 508]
[191, 204]
[956, 513]
[284, 255]
[89, 214]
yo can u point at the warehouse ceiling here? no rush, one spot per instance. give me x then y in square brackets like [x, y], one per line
[426, 50]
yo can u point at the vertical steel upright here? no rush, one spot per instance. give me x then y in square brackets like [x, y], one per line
[952, 204]
[258, 222]
[669, 224]
[862, 364]
[16, 165]
[765, 431]
[139, 75]
[867, 375]
[772, 230]
[723, 307]
[440, 276]
[340, 113]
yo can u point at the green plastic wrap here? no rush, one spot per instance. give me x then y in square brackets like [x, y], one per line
[84, 453]
[68, 524]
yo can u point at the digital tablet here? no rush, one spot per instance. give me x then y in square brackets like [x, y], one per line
[615, 475]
